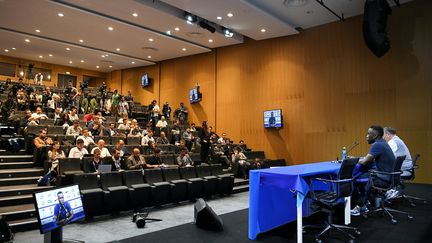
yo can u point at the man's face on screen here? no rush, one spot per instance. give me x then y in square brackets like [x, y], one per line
[60, 198]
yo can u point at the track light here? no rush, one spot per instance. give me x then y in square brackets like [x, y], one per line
[207, 26]
[228, 33]
[190, 18]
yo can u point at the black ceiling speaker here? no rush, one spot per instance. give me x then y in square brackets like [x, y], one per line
[205, 217]
[375, 26]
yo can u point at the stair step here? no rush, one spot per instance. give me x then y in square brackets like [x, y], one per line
[16, 165]
[16, 158]
[26, 172]
[18, 181]
[16, 200]
[24, 224]
[240, 182]
[21, 190]
[238, 189]
[5, 152]
[18, 212]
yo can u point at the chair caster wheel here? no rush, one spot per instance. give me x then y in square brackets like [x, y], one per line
[394, 221]
[318, 241]
[357, 233]
[410, 218]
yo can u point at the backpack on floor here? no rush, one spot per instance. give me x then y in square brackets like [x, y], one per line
[6, 233]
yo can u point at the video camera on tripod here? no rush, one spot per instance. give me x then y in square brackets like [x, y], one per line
[140, 219]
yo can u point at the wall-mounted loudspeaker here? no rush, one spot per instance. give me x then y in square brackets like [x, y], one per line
[375, 26]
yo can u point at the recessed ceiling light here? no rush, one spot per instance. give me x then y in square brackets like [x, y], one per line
[37, 31]
[168, 32]
[40, 56]
[6, 50]
[103, 56]
[135, 14]
[177, 29]
[133, 62]
[149, 57]
[97, 66]
[184, 49]
[210, 40]
[118, 49]
[81, 41]
[50, 55]
[110, 66]
[150, 39]
[110, 28]
[67, 72]
[230, 15]
[67, 49]
[106, 55]
[70, 62]
[27, 40]
[263, 30]
[13, 48]
[82, 61]
[218, 17]
[60, 14]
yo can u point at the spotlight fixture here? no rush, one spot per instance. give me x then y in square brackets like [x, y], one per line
[227, 32]
[190, 18]
[207, 26]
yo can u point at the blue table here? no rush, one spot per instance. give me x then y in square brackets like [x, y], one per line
[272, 196]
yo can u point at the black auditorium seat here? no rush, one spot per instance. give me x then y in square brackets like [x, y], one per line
[55, 130]
[139, 191]
[134, 141]
[225, 181]
[160, 189]
[67, 168]
[179, 187]
[116, 194]
[210, 181]
[92, 194]
[195, 187]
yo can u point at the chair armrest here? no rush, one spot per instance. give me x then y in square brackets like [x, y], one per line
[374, 172]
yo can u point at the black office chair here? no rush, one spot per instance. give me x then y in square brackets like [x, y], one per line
[409, 178]
[340, 188]
[381, 187]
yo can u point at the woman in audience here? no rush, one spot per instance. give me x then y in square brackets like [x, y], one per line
[54, 154]
[239, 163]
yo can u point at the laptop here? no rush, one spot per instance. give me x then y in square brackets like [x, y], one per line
[104, 168]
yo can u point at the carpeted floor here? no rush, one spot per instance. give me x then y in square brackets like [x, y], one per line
[374, 229]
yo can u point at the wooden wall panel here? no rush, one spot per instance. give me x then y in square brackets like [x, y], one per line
[178, 76]
[55, 70]
[131, 80]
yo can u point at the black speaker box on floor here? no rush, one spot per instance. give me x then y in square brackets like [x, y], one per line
[375, 26]
[205, 217]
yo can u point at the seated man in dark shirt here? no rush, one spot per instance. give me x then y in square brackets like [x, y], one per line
[156, 159]
[380, 156]
[116, 161]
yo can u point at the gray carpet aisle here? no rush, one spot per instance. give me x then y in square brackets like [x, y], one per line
[107, 229]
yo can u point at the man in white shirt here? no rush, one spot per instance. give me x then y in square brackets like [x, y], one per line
[86, 138]
[147, 138]
[399, 149]
[79, 151]
[38, 115]
[75, 129]
[101, 146]
[73, 114]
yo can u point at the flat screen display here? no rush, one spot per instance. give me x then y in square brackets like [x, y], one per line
[273, 118]
[58, 207]
[145, 80]
[194, 96]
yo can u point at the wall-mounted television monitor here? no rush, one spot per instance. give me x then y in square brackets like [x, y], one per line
[145, 80]
[194, 95]
[273, 118]
[58, 207]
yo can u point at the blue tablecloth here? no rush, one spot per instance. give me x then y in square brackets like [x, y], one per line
[272, 200]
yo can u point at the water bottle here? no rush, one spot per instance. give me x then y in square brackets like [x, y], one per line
[344, 153]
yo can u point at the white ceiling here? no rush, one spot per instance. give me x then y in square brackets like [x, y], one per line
[88, 20]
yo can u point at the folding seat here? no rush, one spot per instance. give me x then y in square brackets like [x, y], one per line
[195, 187]
[116, 194]
[139, 191]
[47, 122]
[169, 159]
[55, 130]
[179, 187]
[160, 189]
[115, 139]
[92, 194]
[134, 141]
[252, 155]
[225, 180]
[210, 181]
[34, 129]
[67, 168]
[196, 158]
